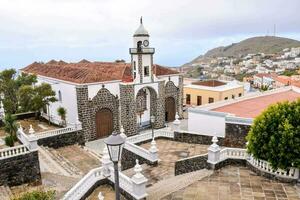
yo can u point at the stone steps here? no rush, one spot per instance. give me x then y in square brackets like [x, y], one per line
[5, 193]
[51, 161]
[173, 184]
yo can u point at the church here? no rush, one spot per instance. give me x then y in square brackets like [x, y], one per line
[104, 96]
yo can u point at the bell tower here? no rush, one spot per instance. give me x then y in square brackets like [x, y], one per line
[141, 56]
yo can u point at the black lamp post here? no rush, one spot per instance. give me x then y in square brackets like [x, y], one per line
[152, 120]
[115, 145]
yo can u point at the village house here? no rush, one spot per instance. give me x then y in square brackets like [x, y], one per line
[106, 95]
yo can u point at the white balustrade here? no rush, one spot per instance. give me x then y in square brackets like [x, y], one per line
[50, 133]
[30, 141]
[148, 136]
[144, 153]
[13, 151]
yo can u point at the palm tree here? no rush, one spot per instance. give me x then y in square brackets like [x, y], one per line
[10, 127]
[62, 112]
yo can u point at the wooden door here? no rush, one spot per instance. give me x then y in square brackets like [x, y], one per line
[170, 109]
[104, 123]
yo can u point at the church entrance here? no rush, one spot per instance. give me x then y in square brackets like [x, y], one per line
[104, 123]
[170, 109]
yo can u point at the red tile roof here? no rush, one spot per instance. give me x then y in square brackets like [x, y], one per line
[89, 72]
[251, 108]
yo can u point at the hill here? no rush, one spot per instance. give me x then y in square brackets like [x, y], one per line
[265, 44]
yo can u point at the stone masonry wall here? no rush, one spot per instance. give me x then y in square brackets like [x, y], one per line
[128, 160]
[160, 106]
[20, 169]
[128, 109]
[235, 135]
[180, 97]
[58, 141]
[87, 109]
[191, 164]
[172, 91]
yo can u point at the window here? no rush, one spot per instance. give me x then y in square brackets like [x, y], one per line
[199, 100]
[226, 98]
[210, 100]
[146, 71]
[240, 94]
[134, 65]
[233, 96]
[188, 99]
[134, 75]
[59, 96]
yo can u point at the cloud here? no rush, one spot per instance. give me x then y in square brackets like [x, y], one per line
[102, 29]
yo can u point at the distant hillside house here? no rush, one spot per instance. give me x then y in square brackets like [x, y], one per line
[106, 95]
[204, 92]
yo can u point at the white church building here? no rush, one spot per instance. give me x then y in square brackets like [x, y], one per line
[106, 95]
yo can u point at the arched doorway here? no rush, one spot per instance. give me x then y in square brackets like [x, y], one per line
[170, 109]
[104, 123]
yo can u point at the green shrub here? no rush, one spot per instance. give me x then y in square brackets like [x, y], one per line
[9, 141]
[36, 195]
[275, 135]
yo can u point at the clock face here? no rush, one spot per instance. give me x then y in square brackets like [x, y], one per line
[146, 43]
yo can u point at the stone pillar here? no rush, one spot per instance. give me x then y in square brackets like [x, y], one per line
[83, 111]
[106, 162]
[176, 123]
[153, 150]
[160, 106]
[128, 109]
[214, 152]
[139, 182]
[32, 140]
[180, 97]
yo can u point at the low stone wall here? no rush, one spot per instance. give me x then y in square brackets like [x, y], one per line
[229, 161]
[128, 160]
[235, 136]
[62, 140]
[25, 115]
[20, 169]
[191, 164]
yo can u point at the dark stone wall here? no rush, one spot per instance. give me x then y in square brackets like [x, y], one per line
[128, 160]
[58, 141]
[191, 164]
[235, 135]
[128, 109]
[160, 105]
[236, 162]
[87, 109]
[20, 169]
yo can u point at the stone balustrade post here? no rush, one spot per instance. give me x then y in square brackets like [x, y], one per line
[176, 122]
[106, 162]
[32, 140]
[214, 152]
[139, 182]
[153, 150]
[122, 133]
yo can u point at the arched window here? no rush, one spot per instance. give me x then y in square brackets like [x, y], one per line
[59, 96]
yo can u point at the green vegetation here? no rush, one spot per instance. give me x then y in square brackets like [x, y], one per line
[10, 127]
[275, 135]
[62, 112]
[290, 72]
[20, 94]
[36, 195]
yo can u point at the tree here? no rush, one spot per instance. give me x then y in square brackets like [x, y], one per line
[25, 96]
[62, 112]
[9, 86]
[44, 95]
[10, 127]
[275, 135]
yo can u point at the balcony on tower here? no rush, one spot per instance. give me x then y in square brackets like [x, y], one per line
[141, 50]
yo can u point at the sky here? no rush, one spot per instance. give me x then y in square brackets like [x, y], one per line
[101, 30]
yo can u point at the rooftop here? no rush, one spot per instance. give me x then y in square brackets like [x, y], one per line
[252, 107]
[209, 83]
[214, 85]
[89, 72]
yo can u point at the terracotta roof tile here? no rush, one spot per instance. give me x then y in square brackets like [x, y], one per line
[89, 72]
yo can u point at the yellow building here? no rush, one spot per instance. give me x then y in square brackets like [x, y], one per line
[203, 92]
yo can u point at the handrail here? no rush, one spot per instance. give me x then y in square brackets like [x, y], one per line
[60, 131]
[139, 151]
[13, 151]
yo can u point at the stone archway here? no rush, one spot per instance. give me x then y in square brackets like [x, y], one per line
[104, 123]
[170, 109]
[145, 105]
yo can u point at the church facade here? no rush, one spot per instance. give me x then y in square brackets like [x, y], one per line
[107, 95]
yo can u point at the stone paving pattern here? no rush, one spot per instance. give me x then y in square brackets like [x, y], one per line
[236, 183]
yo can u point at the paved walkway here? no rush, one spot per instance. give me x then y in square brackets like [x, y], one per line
[236, 183]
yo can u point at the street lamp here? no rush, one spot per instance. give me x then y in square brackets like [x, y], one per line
[115, 145]
[152, 120]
